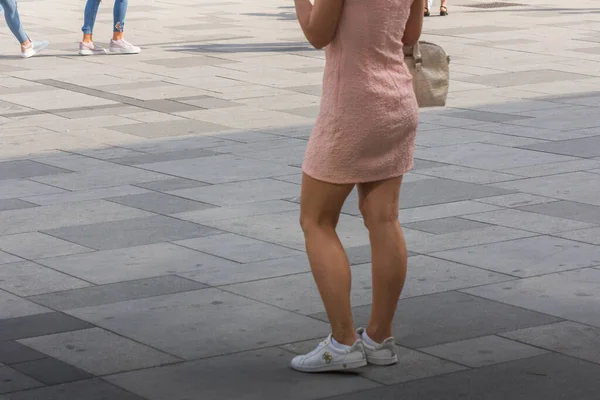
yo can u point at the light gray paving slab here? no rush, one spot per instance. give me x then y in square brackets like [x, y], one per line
[490, 157]
[238, 248]
[27, 279]
[555, 168]
[87, 349]
[446, 210]
[208, 102]
[114, 176]
[171, 184]
[582, 187]
[568, 118]
[131, 232]
[584, 147]
[591, 235]
[567, 337]
[64, 215]
[411, 364]
[528, 256]
[160, 203]
[153, 158]
[85, 195]
[112, 266]
[218, 275]
[13, 188]
[510, 79]
[261, 374]
[221, 169]
[6, 258]
[571, 295]
[241, 211]
[210, 313]
[116, 292]
[528, 221]
[73, 162]
[516, 200]
[483, 351]
[14, 306]
[26, 169]
[469, 175]
[171, 128]
[35, 245]
[232, 194]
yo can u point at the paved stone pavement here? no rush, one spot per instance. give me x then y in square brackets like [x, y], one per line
[149, 244]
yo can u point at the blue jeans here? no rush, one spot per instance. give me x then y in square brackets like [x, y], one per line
[91, 10]
[11, 14]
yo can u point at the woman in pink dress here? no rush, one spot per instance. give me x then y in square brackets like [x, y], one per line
[364, 137]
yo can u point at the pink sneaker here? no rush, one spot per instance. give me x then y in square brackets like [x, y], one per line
[123, 47]
[90, 49]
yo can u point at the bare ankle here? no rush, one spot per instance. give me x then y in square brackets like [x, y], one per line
[378, 335]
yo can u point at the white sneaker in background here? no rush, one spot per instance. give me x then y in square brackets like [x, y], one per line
[379, 353]
[90, 49]
[328, 357]
[123, 47]
[36, 47]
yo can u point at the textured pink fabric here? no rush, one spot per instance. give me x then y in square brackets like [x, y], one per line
[366, 128]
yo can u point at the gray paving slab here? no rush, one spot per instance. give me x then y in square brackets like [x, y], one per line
[12, 352]
[27, 169]
[132, 232]
[27, 279]
[567, 210]
[159, 203]
[483, 351]
[12, 380]
[36, 245]
[548, 376]
[171, 184]
[445, 225]
[51, 371]
[585, 147]
[567, 337]
[38, 325]
[261, 374]
[451, 316]
[113, 266]
[13, 188]
[527, 257]
[116, 292]
[86, 349]
[571, 295]
[14, 204]
[6, 258]
[591, 236]
[211, 313]
[171, 128]
[85, 195]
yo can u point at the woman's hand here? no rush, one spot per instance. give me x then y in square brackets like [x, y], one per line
[319, 22]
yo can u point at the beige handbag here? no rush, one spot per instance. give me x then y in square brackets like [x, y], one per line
[430, 67]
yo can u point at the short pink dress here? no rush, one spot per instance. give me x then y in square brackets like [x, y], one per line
[367, 125]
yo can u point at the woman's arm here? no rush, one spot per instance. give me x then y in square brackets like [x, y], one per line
[319, 22]
[414, 25]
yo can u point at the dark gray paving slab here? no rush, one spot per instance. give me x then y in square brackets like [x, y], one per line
[116, 292]
[113, 266]
[12, 381]
[483, 351]
[99, 352]
[567, 209]
[483, 115]
[567, 337]
[572, 295]
[547, 377]
[14, 204]
[153, 158]
[449, 317]
[92, 389]
[411, 364]
[160, 203]
[51, 371]
[14, 353]
[133, 232]
[584, 147]
[226, 322]
[527, 257]
[171, 184]
[238, 248]
[27, 169]
[240, 211]
[445, 225]
[37, 325]
[262, 374]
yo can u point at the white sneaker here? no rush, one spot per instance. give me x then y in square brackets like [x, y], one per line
[90, 49]
[36, 47]
[327, 357]
[381, 354]
[123, 47]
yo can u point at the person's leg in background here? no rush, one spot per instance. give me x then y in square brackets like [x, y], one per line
[118, 44]
[87, 47]
[428, 8]
[29, 48]
[444, 8]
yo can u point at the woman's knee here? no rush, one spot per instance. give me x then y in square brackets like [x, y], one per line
[375, 215]
[311, 221]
